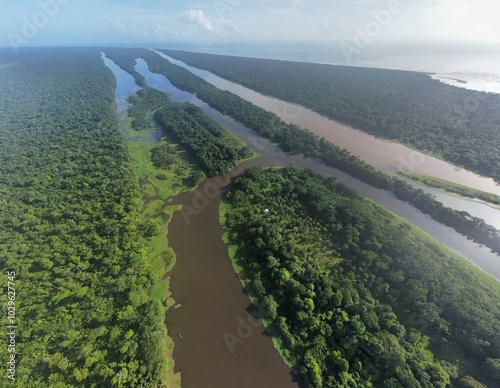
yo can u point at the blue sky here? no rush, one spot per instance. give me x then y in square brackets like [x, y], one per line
[70, 22]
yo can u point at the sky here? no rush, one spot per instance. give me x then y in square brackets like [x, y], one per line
[131, 22]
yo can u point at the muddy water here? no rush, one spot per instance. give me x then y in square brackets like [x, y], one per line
[480, 256]
[214, 306]
[223, 344]
[386, 156]
[382, 154]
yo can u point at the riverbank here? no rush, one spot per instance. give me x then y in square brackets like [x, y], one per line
[434, 117]
[461, 191]
[232, 250]
[308, 246]
[163, 174]
[156, 215]
[478, 254]
[295, 139]
[387, 156]
[225, 344]
[202, 274]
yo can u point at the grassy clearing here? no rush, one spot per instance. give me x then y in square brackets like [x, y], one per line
[156, 193]
[456, 189]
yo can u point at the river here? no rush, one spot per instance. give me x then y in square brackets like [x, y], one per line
[224, 346]
[387, 156]
[479, 255]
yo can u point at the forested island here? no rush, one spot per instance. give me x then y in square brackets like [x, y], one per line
[215, 149]
[456, 124]
[357, 296]
[294, 139]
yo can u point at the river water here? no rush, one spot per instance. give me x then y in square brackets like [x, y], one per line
[387, 156]
[362, 144]
[224, 346]
[224, 343]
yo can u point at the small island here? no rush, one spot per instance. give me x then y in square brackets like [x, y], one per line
[454, 188]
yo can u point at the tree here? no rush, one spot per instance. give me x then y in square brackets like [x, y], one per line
[492, 367]
[195, 178]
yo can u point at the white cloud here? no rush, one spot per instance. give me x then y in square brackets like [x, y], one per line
[129, 28]
[198, 17]
[164, 31]
[227, 25]
[117, 24]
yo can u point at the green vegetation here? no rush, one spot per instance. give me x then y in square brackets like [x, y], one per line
[162, 173]
[215, 149]
[472, 227]
[84, 220]
[492, 368]
[122, 58]
[86, 241]
[292, 138]
[454, 188]
[357, 296]
[164, 156]
[456, 124]
[71, 229]
[144, 102]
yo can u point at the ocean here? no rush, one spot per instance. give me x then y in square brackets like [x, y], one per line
[470, 66]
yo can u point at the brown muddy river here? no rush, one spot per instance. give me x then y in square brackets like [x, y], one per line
[222, 344]
[387, 156]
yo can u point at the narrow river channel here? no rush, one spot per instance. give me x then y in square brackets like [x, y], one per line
[389, 157]
[224, 346]
[223, 343]
[479, 255]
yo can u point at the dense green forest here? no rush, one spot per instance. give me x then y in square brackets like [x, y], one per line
[457, 124]
[71, 230]
[142, 103]
[292, 138]
[210, 144]
[351, 278]
[356, 295]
